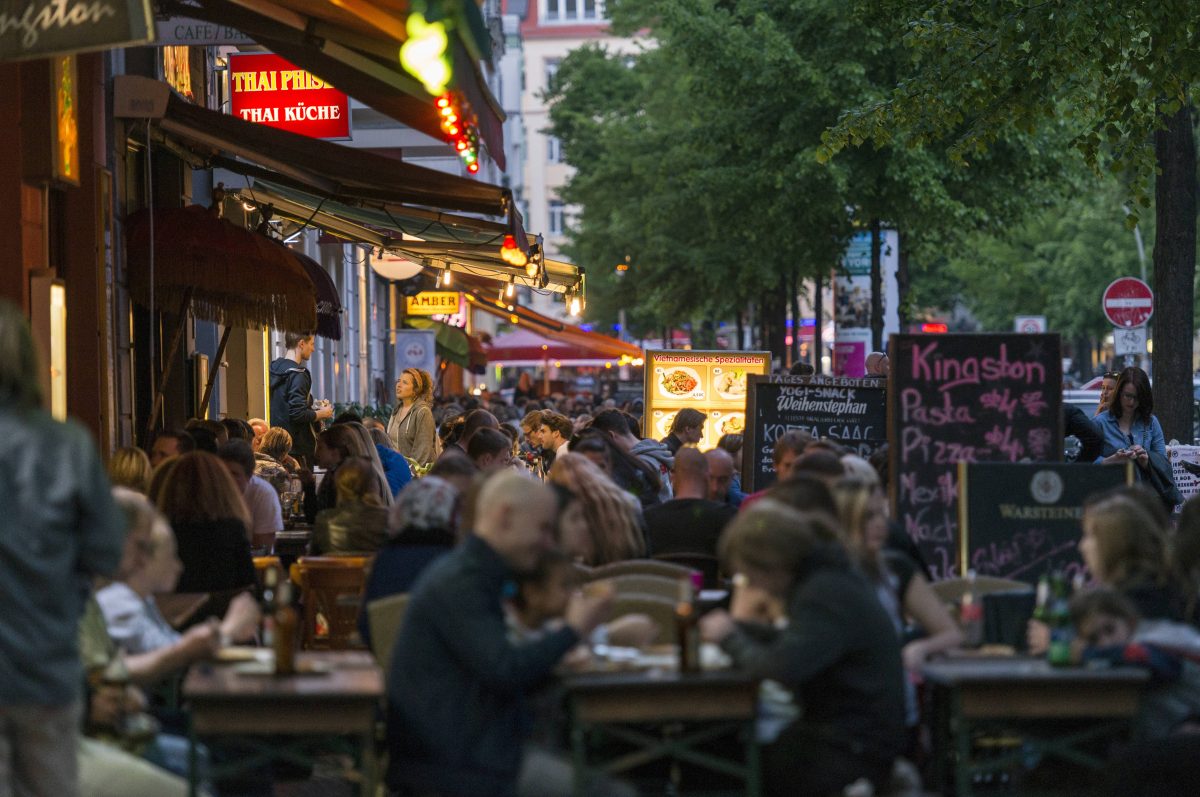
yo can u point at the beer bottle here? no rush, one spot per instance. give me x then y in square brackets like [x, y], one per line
[686, 628]
[270, 586]
[1061, 631]
[971, 614]
[1041, 610]
[286, 625]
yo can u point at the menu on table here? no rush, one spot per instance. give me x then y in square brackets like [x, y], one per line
[713, 382]
[965, 398]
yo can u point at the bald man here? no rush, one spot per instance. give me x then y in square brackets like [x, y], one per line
[720, 478]
[457, 685]
[689, 522]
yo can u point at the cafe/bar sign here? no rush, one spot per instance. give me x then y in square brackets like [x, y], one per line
[266, 89]
[714, 383]
[1020, 520]
[433, 303]
[39, 28]
[965, 398]
[850, 412]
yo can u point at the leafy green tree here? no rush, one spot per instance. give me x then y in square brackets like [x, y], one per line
[1117, 75]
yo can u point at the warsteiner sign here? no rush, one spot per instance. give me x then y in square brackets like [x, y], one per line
[266, 89]
[38, 28]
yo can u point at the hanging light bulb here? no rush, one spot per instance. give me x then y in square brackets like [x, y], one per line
[447, 278]
[574, 306]
[510, 290]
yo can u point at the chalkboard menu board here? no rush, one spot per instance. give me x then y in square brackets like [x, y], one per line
[851, 411]
[1020, 520]
[965, 398]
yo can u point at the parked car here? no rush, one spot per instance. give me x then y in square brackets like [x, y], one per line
[1086, 400]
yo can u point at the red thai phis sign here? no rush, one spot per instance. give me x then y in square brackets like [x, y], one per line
[266, 89]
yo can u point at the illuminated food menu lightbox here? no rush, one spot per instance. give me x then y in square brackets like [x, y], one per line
[713, 382]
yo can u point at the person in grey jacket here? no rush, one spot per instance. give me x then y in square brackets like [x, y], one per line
[457, 716]
[58, 530]
[412, 428]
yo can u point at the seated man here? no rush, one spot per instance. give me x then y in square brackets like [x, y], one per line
[457, 718]
[266, 513]
[689, 522]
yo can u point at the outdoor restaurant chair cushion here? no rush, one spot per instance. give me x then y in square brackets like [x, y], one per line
[384, 617]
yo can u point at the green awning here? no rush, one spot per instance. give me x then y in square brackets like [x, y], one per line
[452, 343]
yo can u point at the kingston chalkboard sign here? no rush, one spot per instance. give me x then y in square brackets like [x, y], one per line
[852, 412]
[965, 398]
[1020, 520]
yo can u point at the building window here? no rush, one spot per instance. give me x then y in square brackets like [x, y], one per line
[554, 224]
[551, 69]
[573, 10]
[553, 150]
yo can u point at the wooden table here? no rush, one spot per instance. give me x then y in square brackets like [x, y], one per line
[1025, 695]
[308, 709]
[685, 709]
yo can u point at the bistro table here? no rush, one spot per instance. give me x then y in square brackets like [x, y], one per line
[337, 697]
[650, 709]
[1030, 698]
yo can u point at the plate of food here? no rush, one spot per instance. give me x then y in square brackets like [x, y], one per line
[730, 383]
[663, 421]
[680, 382]
[731, 423]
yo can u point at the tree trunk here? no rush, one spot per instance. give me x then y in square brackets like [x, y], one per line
[876, 287]
[902, 281]
[1174, 273]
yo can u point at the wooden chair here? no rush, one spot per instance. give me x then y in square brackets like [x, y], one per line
[645, 584]
[640, 567]
[331, 593]
[384, 616]
[659, 609]
[706, 563]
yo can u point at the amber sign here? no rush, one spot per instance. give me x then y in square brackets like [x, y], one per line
[39, 28]
[434, 303]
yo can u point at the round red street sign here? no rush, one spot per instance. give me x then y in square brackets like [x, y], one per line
[1128, 302]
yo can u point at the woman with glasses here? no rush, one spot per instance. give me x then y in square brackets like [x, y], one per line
[1130, 430]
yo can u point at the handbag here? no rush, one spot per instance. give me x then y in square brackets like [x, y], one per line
[1160, 478]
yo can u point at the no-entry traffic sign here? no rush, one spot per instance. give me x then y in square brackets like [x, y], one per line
[1128, 302]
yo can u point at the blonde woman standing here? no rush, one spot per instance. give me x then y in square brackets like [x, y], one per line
[411, 428]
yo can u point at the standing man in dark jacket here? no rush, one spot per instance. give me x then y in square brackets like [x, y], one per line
[686, 430]
[291, 397]
[59, 528]
[457, 720]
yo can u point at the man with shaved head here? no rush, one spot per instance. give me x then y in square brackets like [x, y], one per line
[720, 478]
[689, 522]
[457, 685]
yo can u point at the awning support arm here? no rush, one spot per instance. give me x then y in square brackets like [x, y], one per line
[172, 350]
[214, 369]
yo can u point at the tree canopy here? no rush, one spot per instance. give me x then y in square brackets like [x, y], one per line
[1119, 76]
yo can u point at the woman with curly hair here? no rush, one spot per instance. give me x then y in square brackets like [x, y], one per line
[411, 428]
[614, 521]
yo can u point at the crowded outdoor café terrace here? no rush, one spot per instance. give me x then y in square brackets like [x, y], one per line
[549, 596]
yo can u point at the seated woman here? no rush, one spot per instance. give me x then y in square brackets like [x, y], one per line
[271, 460]
[1124, 547]
[357, 523]
[838, 651]
[613, 517]
[134, 621]
[209, 518]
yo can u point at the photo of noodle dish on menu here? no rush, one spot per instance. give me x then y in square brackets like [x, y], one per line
[679, 382]
[663, 421]
[730, 383]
